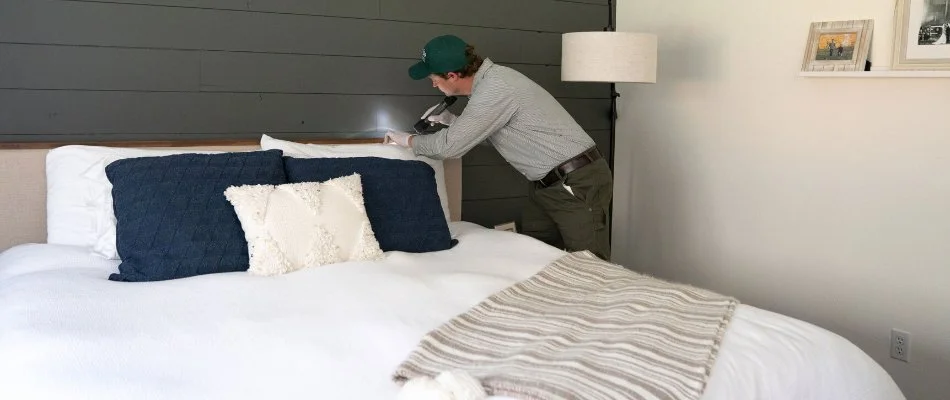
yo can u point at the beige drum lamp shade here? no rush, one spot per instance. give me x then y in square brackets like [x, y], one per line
[608, 57]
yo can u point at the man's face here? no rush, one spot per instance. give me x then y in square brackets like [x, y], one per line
[448, 85]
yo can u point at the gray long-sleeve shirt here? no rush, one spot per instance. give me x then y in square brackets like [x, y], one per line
[527, 125]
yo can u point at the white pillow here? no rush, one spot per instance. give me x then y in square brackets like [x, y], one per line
[79, 195]
[298, 225]
[308, 150]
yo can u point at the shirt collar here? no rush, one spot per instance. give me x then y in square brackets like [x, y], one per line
[486, 64]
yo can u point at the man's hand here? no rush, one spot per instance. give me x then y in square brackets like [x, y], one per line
[429, 110]
[445, 118]
[398, 138]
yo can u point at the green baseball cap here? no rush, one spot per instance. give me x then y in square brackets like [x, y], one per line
[441, 55]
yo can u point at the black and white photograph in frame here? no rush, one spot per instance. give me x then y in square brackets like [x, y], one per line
[922, 39]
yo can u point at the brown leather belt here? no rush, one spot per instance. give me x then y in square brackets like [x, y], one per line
[568, 166]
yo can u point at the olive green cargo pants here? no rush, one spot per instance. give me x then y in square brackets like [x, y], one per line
[573, 221]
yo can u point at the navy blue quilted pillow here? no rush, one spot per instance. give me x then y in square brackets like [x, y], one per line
[400, 197]
[173, 220]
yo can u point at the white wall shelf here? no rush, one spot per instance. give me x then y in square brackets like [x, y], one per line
[877, 74]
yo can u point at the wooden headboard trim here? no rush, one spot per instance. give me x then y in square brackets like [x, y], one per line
[176, 143]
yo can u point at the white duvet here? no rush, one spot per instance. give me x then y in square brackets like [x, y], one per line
[334, 332]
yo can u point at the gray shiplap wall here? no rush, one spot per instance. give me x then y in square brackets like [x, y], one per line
[77, 70]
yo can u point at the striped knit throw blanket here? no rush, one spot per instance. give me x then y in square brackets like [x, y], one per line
[582, 328]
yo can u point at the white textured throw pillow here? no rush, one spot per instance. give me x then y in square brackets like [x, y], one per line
[292, 226]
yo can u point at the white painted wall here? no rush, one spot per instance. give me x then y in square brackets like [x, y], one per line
[823, 199]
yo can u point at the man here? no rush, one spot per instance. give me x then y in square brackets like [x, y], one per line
[571, 184]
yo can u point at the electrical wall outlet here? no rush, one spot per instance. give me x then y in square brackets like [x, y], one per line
[900, 345]
[507, 226]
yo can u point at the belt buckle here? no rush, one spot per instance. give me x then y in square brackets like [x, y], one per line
[544, 179]
[557, 170]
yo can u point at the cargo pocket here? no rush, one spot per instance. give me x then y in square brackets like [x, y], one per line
[600, 218]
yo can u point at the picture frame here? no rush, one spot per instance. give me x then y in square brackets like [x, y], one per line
[921, 35]
[838, 45]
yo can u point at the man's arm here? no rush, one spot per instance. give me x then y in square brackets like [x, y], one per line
[484, 115]
[483, 143]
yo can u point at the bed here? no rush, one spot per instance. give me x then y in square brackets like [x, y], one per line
[335, 331]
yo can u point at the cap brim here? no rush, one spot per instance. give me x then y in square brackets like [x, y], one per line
[419, 71]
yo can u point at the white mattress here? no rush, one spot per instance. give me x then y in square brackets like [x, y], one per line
[335, 332]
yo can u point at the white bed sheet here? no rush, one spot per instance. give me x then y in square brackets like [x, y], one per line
[334, 332]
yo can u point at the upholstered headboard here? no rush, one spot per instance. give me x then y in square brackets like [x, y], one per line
[23, 184]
